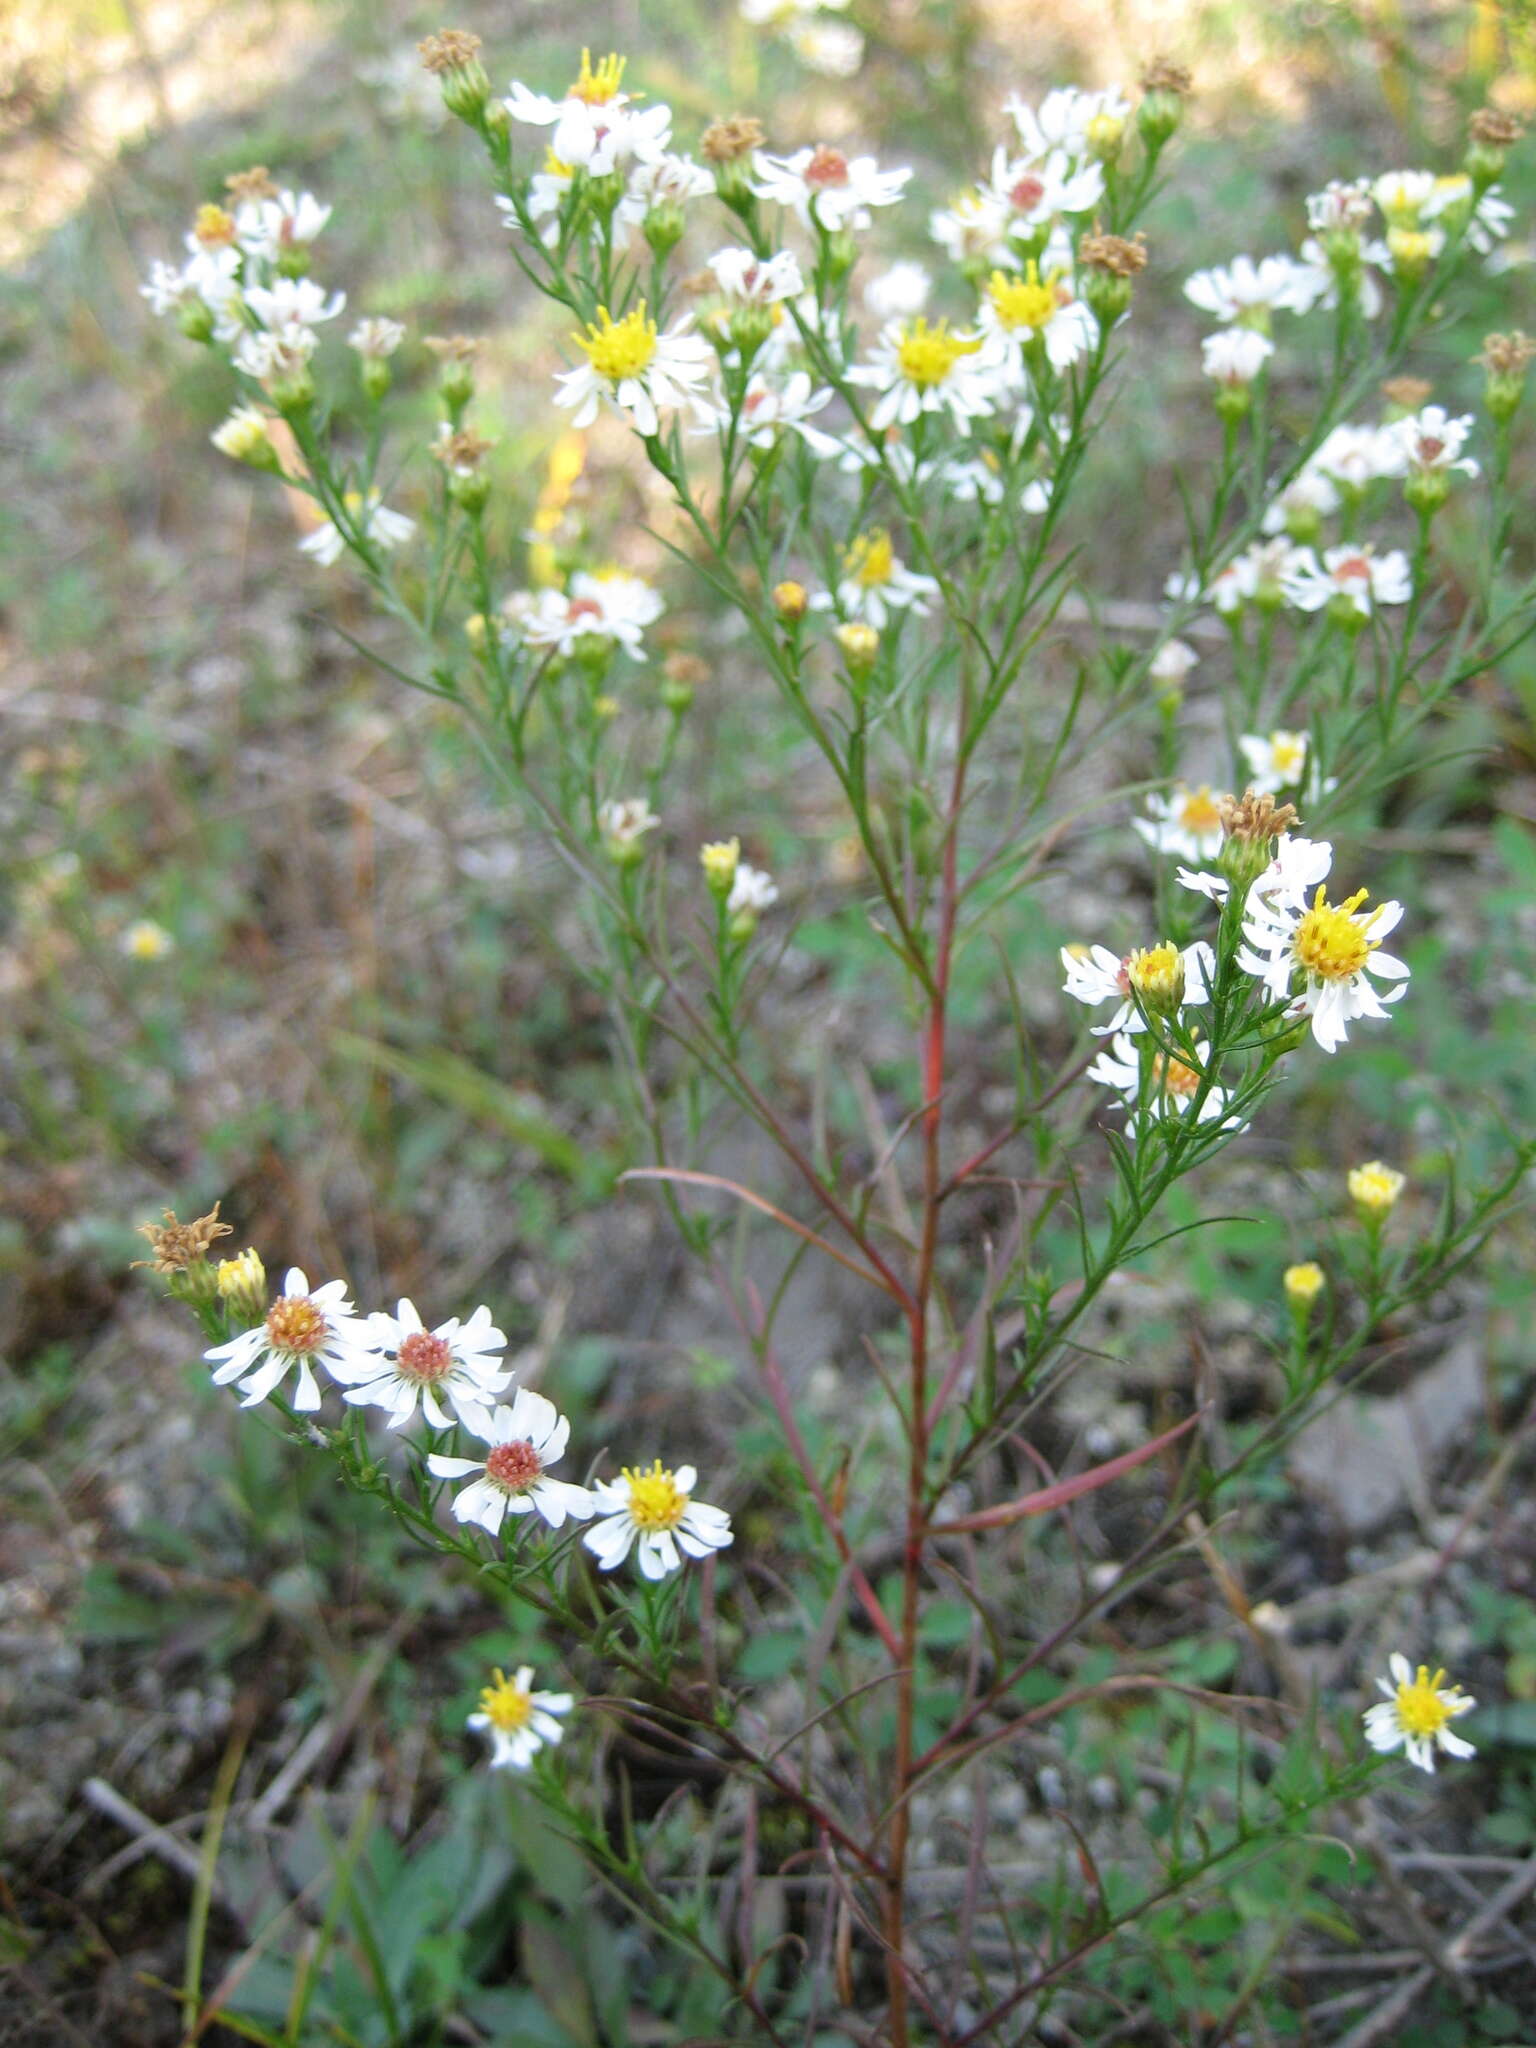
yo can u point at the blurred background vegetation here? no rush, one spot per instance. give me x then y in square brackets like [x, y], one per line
[370, 1037]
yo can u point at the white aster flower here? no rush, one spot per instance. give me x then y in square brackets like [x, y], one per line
[753, 890]
[1235, 355]
[623, 823]
[370, 516]
[974, 228]
[1024, 313]
[1432, 440]
[1319, 958]
[456, 1363]
[1322, 282]
[610, 606]
[1096, 976]
[525, 1439]
[832, 49]
[1172, 662]
[654, 1509]
[771, 406]
[746, 279]
[1172, 1085]
[1341, 207]
[1294, 871]
[1403, 195]
[597, 128]
[1037, 192]
[637, 371]
[1417, 1713]
[1276, 761]
[1356, 456]
[376, 339]
[875, 582]
[665, 180]
[1354, 576]
[824, 188]
[1186, 822]
[1492, 219]
[1245, 293]
[145, 940]
[519, 1721]
[897, 293]
[1309, 497]
[290, 303]
[270, 229]
[1257, 576]
[920, 369]
[303, 1328]
[209, 278]
[1070, 119]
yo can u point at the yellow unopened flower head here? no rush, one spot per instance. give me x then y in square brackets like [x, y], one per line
[720, 859]
[860, 644]
[1412, 250]
[1304, 1283]
[1156, 976]
[790, 601]
[605, 709]
[242, 1285]
[1374, 1189]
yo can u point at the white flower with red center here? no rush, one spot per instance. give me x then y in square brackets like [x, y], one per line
[1173, 1085]
[270, 229]
[1186, 822]
[635, 370]
[1319, 958]
[746, 279]
[524, 1440]
[918, 369]
[875, 582]
[1095, 976]
[1417, 1713]
[824, 188]
[652, 1511]
[773, 405]
[368, 516]
[1234, 356]
[1431, 440]
[456, 1363]
[1353, 579]
[597, 127]
[1079, 123]
[303, 1328]
[612, 606]
[974, 228]
[519, 1721]
[1035, 193]
[1244, 293]
[1030, 313]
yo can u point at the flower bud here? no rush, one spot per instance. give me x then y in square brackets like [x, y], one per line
[293, 388]
[790, 601]
[663, 228]
[1412, 251]
[1303, 1284]
[244, 438]
[860, 644]
[1165, 87]
[452, 56]
[1156, 978]
[1426, 490]
[1374, 1190]
[242, 1287]
[1506, 358]
[1491, 135]
[728, 147]
[680, 676]
[720, 859]
[195, 320]
[376, 376]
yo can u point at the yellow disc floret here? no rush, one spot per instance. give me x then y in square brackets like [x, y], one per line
[1375, 1188]
[928, 354]
[617, 349]
[1156, 974]
[654, 1499]
[871, 559]
[1331, 942]
[506, 1705]
[1304, 1283]
[1200, 813]
[1025, 302]
[1173, 1079]
[1420, 1708]
[598, 87]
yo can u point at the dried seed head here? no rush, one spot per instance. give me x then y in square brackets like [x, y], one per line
[728, 141]
[454, 348]
[1409, 392]
[1253, 819]
[1494, 129]
[1115, 255]
[175, 1246]
[256, 183]
[1507, 355]
[451, 49]
[463, 450]
[691, 669]
[1161, 75]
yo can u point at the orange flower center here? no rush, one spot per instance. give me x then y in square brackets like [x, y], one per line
[295, 1325]
[513, 1467]
[424, 1357]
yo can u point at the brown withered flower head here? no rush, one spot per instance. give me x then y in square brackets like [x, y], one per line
[1495, 129]
[1409, 392]
[175, 1246]
[1255, 819]
[462, 451]
[728, 141]
[1507, 355]
[451, 49]
[1161, 75]
[454, 348]
[1116, 255]
[256, 183]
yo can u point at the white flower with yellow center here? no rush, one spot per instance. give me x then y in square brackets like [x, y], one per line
[1244, 293]
[1403, 196]
[1319, 957]
[652, 1511]
[270, 229]
[1352, 578]
[1257, 576]
[368, 516]
[1068, 118]
[303, 1328]
[146, 940]
[1165, 978]
[1173, 1087]
[832, 49]
[1025, 313]
[824, 188]
[918, 368]
[456, 1363]
[525, 1438]
[518, 1720]
[597, 127]
[974, 228]
[875, 582]
[292, 305]
[1417, 1713]
[638, 371]
[1276, 761]
[1186, 822]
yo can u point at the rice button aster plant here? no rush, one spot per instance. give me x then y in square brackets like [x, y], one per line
[652, 1511]
[1417, 1713]
[519, 1721]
